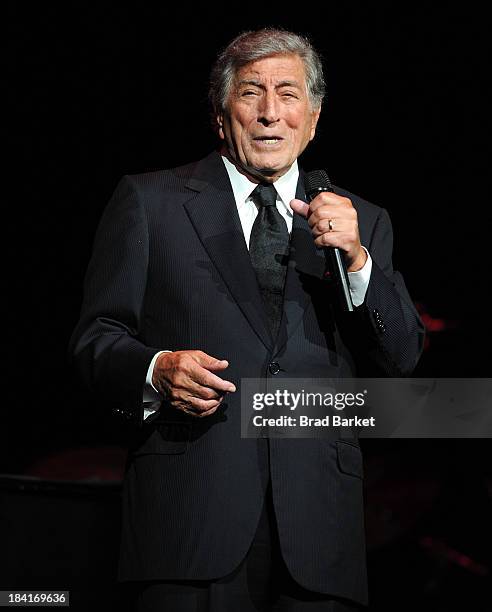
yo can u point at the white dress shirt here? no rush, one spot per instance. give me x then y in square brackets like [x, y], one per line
[242, 187]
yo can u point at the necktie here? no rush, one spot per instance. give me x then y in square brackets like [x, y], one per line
[268, 249]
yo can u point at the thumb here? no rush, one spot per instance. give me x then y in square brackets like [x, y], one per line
[300, 207]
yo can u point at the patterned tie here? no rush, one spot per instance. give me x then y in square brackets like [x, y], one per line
[269, 249]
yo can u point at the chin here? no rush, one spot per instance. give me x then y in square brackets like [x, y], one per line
[268, 165]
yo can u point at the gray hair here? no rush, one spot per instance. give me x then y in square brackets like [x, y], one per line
[255, 45]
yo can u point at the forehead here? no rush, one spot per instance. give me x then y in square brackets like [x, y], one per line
[274, 69]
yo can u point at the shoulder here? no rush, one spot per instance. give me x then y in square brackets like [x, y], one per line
[158, 191]
[160, 181]
[178, 184]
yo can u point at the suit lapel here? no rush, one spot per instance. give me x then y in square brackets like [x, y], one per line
[215, 219]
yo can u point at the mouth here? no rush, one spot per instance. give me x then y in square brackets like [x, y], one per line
[268, 140]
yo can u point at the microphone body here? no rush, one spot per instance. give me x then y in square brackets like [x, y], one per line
[336, 271]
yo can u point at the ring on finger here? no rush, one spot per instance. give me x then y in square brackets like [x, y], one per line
[330, 225]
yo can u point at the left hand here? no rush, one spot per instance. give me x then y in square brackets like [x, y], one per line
[330, 209]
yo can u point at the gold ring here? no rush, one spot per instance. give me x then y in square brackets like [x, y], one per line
[330, 225]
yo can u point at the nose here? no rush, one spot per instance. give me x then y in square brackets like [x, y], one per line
[268, 111]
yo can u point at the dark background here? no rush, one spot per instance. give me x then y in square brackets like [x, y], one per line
[95, 93]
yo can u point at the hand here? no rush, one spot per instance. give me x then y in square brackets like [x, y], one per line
[187, 381]
[328, 208]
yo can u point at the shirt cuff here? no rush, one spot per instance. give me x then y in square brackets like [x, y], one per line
[151, 398]
[359, 281]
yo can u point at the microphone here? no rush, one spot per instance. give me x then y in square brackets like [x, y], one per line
[316, 182]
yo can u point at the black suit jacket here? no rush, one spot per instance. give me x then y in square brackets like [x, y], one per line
[171, 270]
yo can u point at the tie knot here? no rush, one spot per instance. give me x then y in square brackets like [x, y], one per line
[265, 195]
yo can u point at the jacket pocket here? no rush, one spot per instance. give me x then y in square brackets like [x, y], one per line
[349, 459]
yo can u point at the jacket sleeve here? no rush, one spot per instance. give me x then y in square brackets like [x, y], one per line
[105, 346]
[385, 333]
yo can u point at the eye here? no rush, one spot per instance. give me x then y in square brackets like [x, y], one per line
[249, 92]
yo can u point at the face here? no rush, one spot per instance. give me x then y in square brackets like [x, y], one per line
[268, 121]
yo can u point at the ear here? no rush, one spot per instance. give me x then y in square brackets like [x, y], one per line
[220, 124]
[314, 122]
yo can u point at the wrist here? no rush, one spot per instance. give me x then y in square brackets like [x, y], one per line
[359, 262]
[159, 365]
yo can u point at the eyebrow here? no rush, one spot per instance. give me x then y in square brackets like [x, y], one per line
[261, 86]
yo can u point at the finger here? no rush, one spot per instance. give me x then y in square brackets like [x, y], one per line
[327, 197]
[201, 415]
[325, 212]
[299, 207]
[344, 214]
[339, 240]
[206, 393]
[206, 413]
[209, 362]
[185, 387]
[200, 406]
[197, 414]
[203, 405]
[204, 378]
[334, 224]
[220, 364]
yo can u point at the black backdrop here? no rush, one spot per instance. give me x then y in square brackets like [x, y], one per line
[97, 92]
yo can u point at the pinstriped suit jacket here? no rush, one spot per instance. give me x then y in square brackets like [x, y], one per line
[170, 269]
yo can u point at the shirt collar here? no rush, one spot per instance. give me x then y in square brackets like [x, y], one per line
[242, 187]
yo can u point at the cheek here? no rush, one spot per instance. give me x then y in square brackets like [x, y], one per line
[245, 120]
[237, 127]
[243, 133]
[301, 123]
[232, 131]
[298, 125]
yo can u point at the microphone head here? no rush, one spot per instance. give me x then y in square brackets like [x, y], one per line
[316, 182]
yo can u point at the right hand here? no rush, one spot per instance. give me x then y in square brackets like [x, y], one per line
[187, 381]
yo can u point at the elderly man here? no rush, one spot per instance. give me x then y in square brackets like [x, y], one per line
[209, 273]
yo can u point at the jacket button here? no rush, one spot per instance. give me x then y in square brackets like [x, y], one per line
[274, 367]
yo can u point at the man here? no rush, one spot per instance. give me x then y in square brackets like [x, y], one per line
[210, 273]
